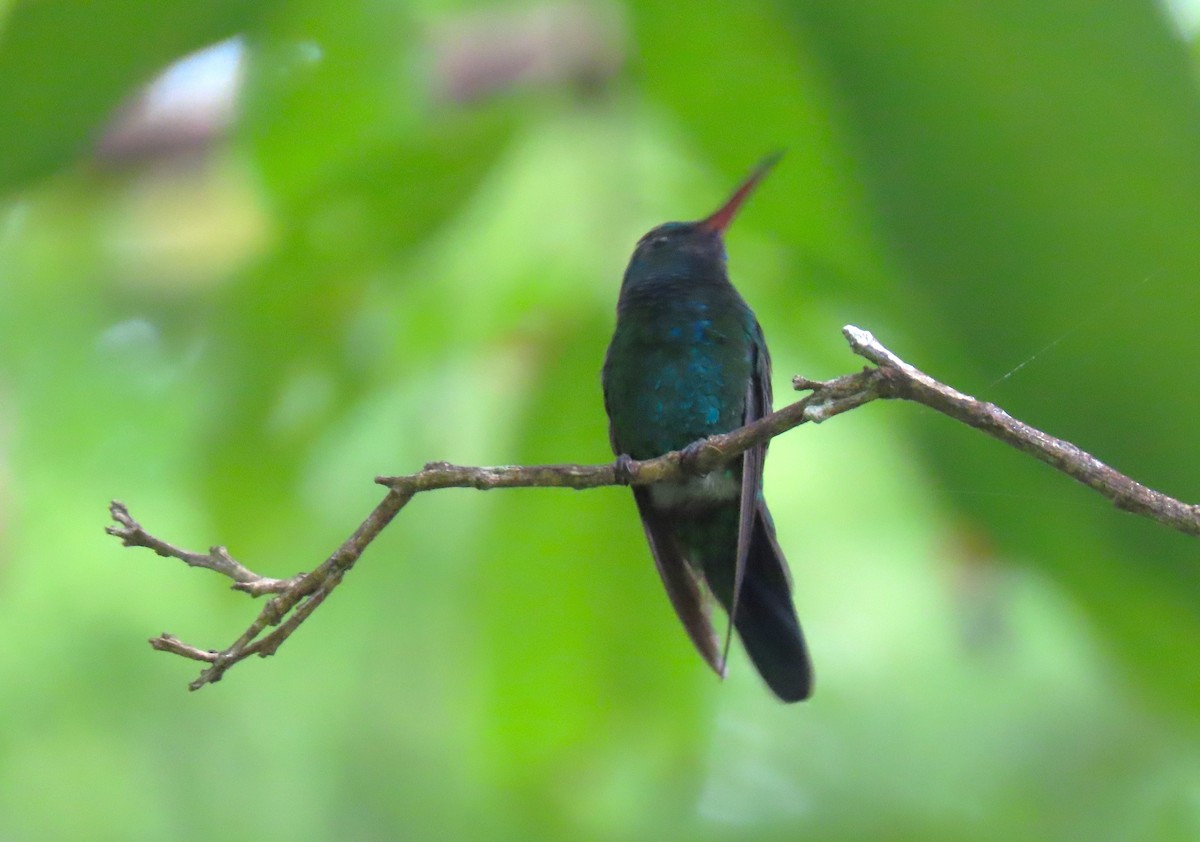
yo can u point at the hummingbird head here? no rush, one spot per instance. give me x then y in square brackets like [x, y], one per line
[692, 249]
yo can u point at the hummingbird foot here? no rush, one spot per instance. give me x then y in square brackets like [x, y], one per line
[624, 469]
[692, 458]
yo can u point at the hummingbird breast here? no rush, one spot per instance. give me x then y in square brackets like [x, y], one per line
[678, 370]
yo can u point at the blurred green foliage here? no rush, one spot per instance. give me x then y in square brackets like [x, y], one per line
[407, 247]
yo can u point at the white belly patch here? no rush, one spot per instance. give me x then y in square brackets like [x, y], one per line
[716, 487]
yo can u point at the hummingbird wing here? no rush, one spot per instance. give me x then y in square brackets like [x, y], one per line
[767, 620]
[682, 585]
[758, 404]
[759, 398]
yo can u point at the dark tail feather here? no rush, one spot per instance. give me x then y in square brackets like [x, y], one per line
[766, 618]
[767, 624]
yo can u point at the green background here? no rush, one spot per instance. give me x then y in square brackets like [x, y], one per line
[366, 274]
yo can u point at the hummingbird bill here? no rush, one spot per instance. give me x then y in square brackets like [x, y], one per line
[688, 360]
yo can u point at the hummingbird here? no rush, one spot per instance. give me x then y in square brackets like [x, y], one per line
[688, 360]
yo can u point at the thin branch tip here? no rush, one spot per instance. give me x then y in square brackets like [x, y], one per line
[804, 384]
[857, 336]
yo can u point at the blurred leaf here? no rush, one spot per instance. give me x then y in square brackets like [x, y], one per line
[356, 174]
[68, 65]
[741, 65]
[1036, 170]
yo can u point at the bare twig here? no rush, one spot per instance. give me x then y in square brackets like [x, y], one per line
[218, 559]
[296, 598]
[904, 381]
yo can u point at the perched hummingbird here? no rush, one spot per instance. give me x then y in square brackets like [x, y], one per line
[688, 360]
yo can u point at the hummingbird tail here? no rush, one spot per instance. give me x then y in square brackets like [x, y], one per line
[767, 624]
[766, 618]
